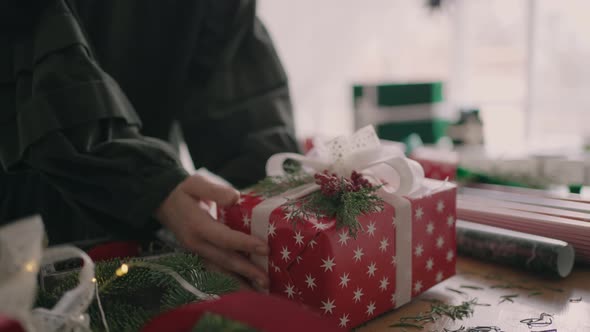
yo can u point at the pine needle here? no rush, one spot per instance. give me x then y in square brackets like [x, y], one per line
[415, 326]
[471, 287]
[455, 291]
[553, 289]
[508, 297]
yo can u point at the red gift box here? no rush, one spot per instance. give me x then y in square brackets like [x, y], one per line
[355, 280]
[437, 164]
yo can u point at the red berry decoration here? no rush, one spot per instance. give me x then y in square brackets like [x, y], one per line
[331, 185]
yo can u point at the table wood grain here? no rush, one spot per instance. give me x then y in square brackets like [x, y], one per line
[554, 296]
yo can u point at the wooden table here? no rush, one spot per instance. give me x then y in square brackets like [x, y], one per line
[536, 295]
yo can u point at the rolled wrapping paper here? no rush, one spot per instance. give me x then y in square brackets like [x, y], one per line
[531, 252]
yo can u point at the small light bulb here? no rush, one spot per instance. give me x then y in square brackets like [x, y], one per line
[94, 280]
[30, 266]
[122, 270]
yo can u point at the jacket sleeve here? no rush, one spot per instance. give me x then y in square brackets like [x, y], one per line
[245, 109]
[69, 121]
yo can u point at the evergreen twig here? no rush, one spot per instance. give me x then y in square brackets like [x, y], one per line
[133, 298]
[437, 310]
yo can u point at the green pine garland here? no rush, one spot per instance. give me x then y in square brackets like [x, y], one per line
[212, 322]
[130, 300]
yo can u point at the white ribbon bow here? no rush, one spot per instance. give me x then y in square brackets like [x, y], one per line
[361, 152]
[381, 164]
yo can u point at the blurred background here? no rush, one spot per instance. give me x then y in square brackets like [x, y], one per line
[522, 64]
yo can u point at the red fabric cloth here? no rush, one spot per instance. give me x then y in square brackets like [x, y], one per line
[264, 312]
[10, 325]
[116, 249]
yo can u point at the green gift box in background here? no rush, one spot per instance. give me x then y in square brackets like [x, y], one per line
[398, 110]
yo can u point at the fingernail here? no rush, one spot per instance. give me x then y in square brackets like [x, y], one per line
[261, 250]
[262, 283]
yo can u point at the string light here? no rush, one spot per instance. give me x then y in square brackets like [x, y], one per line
[31, 266]
[121, 271]
[94, 280]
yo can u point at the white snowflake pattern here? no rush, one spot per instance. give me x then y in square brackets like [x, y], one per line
[272, 230]
[276, 268]
[358, 254]
[394, 260]
[285, 253]
[246, 220]
[328, 264]
[430, 228]
[241, 200]
[440, 242]
[344, 320]
[440, 206]
[371, 228]
[312, 243]
[383, 244]
[310, 281]
[392, 298]
[394, 221]
[320, 226]
[290, 214]
[450, 255]
[290, 290]
[328, 306]
[358, 293]
[383, 284]
[299, 259]
[419, 213]
[298, 238]
[429, 264]
[343, 238]
[371, 308]
[418, 250]
[418, 286]
[371, 269]
[450, 221]
[439, 276]
[344, 279]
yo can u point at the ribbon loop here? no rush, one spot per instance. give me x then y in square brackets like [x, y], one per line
[361, 152]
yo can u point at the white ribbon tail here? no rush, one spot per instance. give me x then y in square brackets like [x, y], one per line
[403, 247]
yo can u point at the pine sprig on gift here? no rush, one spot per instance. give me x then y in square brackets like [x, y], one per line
[276, 185]
[339, 197]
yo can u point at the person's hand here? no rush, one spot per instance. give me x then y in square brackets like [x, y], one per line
[186, 213]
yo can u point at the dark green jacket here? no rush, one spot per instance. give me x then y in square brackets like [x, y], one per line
[88, 93]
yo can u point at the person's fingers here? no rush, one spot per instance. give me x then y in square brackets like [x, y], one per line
[203, 188]
[230, 261]
[225, 237]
